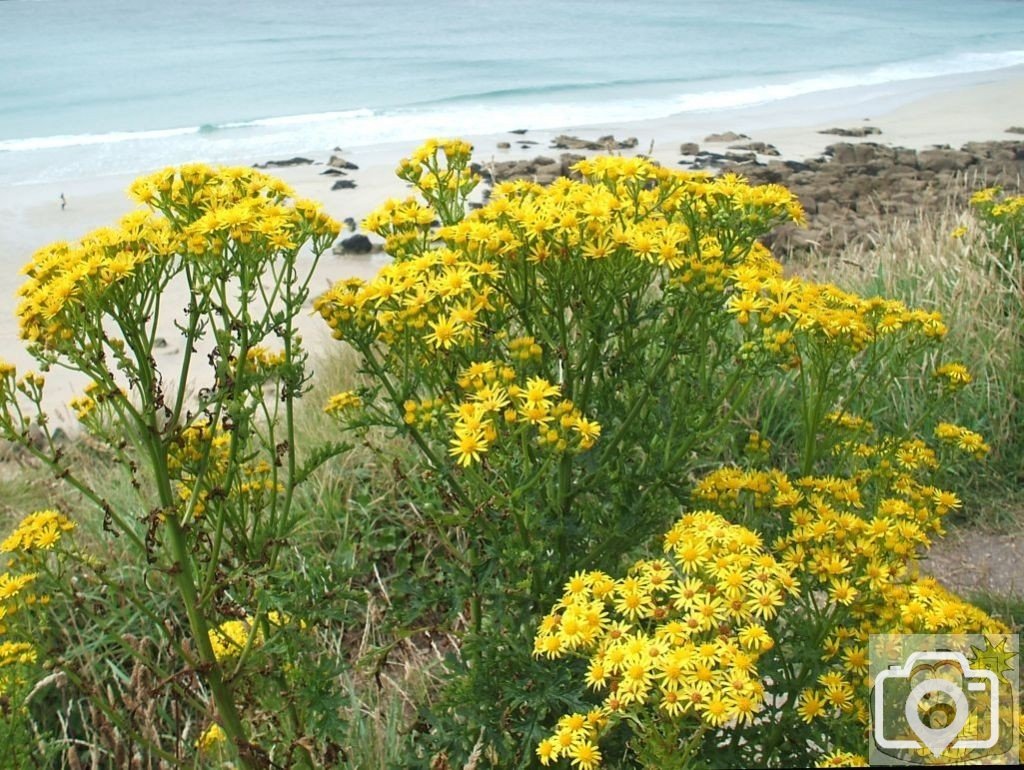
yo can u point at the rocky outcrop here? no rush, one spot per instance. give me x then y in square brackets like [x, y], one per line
[727, 136]
[855, 188]
[563, 142]
[542, 169]
[856, 131]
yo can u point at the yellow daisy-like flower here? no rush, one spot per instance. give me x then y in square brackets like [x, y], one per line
[468, 447]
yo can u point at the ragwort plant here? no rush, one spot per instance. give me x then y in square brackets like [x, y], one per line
[567, 359]
[494, 340]
[198, 579]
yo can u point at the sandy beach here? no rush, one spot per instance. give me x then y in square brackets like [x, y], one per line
[914, 114]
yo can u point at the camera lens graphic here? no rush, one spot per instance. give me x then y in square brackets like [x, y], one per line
[944, 719]
[936, 715]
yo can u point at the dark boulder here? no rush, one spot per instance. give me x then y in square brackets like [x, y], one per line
[284, 163]
[337, 161]
[355, 244]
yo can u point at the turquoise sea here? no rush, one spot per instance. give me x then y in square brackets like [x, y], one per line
[107, 86]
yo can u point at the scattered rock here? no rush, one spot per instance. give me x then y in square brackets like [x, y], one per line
[1015, 130]
[519, 131]
[343, 184]
[350, 223]
[689, 148]
[284, 163]
[159, 343]
[728, 136]
[337, 161]
[542, 169]
[563, 142]
[356, 244]
[332, 172]
[504, 145]
[761, 148]
[853, 132]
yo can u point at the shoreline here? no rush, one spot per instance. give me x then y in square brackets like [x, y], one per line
[913, 114]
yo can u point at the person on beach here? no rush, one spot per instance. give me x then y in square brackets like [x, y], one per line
[63, 202]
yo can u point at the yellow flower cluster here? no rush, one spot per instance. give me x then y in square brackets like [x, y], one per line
[677, 636]
[964, 439]
[789, 309]
[994, 204]
[232, 636]
[440, 166]
[495, 402]
[66, 282]
[212, 739]
[340, 402]
[198, 214]
[628, 209]
[14, 655]
[37, 532]
[1003, 219]
[954, 375]
[839, 758]
[199, 462]
[757, 444]
[576, 740]
[260, 359]
[436, 296]
[11, 586]
[854, 543]
[41, 529]
[424, 414]
[16, 652]
[212, 205]
[847, 421]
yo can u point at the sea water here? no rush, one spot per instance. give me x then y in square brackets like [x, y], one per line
[107, 86]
